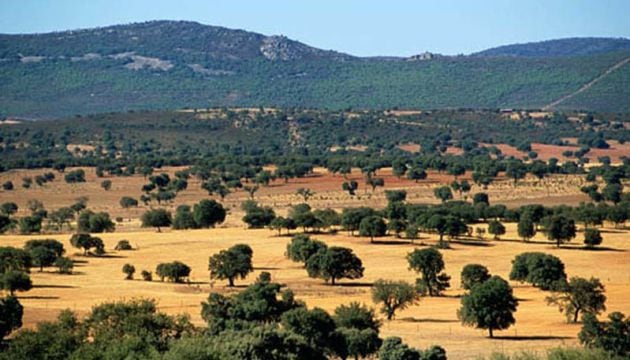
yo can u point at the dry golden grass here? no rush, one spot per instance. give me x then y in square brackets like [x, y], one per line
[432, 321]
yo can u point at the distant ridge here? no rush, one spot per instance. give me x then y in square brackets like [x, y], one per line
[183, 64]
[560, 47]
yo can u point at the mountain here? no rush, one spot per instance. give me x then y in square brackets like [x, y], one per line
[178, 64]
[560, 47]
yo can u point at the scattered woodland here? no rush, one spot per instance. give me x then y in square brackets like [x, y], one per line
[303, 278]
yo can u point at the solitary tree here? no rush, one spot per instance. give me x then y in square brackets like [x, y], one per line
[351, 187]
[443, 193]
[592, 238]
[526, 228]
[473, 274]
[156, 218]
[489, 305]
[208, 213]
[416, 173]
[87, 242]
[14, 280]
[128, 202]
[541, 270]
[560, 229]
[106, 185]
[174, 271]
[372, 226]
[394, 296]
[496, 228]
[334, 263]
[42, 256]
[129, 270]
[430, 264]
[231, 263]
[579, 295]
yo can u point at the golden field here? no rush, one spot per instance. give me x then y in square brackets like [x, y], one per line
[431, 321]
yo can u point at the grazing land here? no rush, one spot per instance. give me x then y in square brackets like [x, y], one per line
[432, 321]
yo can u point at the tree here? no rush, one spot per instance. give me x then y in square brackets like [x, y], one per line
[183, 218]
[356, 316]
[127, 202]
[87, 242]
[617, 214]
[443, 193]
[53, 245]
[8, 185]
[394, 295]
[351, 217]
[560, 229]
[8, 208]
[613, 192]
[430, 264]
[208, 213]
[496, 228]
[42, 256]
[579, 295]
[30, 224]
[473, 274]
[592, 238]
[174, 271]
[416, 173]
[123, 245]
[612, 336]
[374, 182]
[327, 217]
[14, 280]
[334, 263]
[394, 349]
[479, 198]
[91, 222]
[372, 226]
[106, 185]
[231, 263]
[257, 216]
[395, 195]
[515, 170]
[156, 218]
[75, 176]
[14, 259]
[302, 247]
[305, 193]
[11, 312]
[128, 270]
[351, 187]
[316, 326]
[61, 216]
[489, 305]
[541, 270]
[526, 227]
[64, 265]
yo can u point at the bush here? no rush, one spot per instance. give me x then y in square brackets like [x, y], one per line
[129, 270]
[146, 275]
[123, 245]
[541, 270]
[127, 202]
[75, 176]
[90, 222]
[173, 271]
[64, 265]
[592, 238]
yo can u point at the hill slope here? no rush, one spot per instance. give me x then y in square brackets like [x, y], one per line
[167, 64]
[560, 47]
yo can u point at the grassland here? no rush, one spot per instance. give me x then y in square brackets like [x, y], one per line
[432, 321]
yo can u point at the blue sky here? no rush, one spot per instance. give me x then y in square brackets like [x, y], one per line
[359, 27]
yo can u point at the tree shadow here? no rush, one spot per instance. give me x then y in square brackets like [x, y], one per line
[531, 338]
[34, 297]
[265, 268]
[593, 249]
[427, 320]
[478, 243]
[54, 286]
[107, 256]
[397, 242]
[355, 284]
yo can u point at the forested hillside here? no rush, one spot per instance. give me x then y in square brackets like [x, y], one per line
[166, 65]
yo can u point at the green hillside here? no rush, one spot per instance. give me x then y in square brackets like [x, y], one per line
[166, 65]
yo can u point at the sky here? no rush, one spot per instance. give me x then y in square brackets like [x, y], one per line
[357, 27]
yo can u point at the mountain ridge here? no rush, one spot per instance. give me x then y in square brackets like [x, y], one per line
[178, 64]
